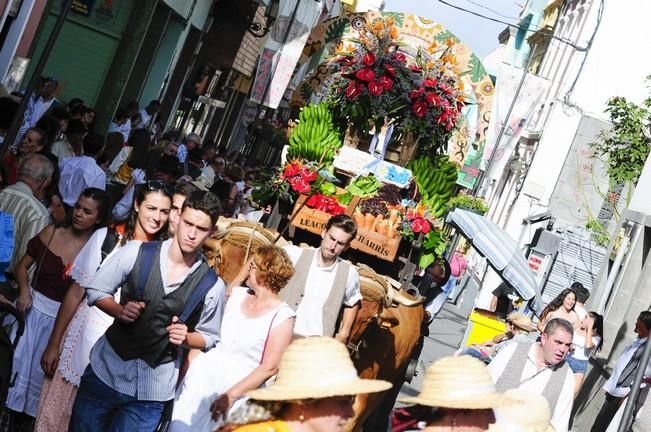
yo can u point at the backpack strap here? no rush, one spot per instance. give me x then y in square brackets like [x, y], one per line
[146, 255]
[109, 243]
[208, 280]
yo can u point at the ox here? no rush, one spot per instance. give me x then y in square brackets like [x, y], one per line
[383, 338]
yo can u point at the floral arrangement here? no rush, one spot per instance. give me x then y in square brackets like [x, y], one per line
[418, 220]
[375, 83]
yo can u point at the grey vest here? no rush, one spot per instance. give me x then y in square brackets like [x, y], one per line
[146, 338]
[293, 293]
[512, 375]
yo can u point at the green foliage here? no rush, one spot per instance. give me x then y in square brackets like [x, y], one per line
[599, 233]
[625, 147]
[468, 202]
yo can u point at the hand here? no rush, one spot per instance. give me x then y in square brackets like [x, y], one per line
[244, 272]
[4, 299]
[588, 322]
[24, 302]
[220, 406]
[177, 331]
[131, 311]
[50, 360]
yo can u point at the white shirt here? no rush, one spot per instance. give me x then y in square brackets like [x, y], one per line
[622, 361]
[145, 119]
[124, 129]
[309, 315]
[580, 311]
[123, 207]
[535, 382]
[77, 174]
[40, 108]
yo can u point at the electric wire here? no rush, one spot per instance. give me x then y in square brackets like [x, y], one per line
[531, 29]
[491, 10]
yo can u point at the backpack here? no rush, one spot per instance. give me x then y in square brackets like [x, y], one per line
[110, 241]
[7, 348]
[6, 242]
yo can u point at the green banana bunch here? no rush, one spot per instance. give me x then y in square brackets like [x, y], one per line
[436, 179]
[315, 138]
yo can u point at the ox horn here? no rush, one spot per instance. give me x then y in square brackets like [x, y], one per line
[402, 298]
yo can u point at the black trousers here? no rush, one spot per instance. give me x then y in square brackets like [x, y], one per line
[607, 412]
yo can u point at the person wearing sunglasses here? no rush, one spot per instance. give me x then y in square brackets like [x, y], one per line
[78, 326]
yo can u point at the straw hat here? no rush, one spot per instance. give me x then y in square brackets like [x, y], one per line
[314, 368]
[523, 411]
[520, 320]
[457, 382]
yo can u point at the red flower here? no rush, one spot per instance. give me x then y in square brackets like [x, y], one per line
[291, 170]
[433, 99]
[415, 94]
[390, 70]
[308, 175]
[353, 90]
[365, 74]
[313, 201]
[415, 68]
[299, 185]
[430, 82]
[385, 82]
[375, 88]
[420, 225]
[400, 57]
[369, 59]
[419, 108]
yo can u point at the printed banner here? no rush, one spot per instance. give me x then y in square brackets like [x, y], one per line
[278, 60]
[530, 94]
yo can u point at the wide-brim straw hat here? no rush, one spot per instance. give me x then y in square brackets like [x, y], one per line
[315, 368]
[523, 411]
[520, 320]
[457, 382]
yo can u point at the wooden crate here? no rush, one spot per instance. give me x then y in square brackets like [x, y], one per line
[376, 244]
[314, 220]
[368, 242]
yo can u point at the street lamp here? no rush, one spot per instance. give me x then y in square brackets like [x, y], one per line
[259, 29]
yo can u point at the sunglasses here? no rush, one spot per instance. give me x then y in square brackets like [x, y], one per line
[155, 185]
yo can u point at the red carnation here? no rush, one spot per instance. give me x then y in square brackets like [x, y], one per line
[419, 108]
[369, 59]
[430, 82]
[385, 82]
[299, 185]
[353, 89]
[365, 74]
[390, 70]
[375, 88]
[415, 68]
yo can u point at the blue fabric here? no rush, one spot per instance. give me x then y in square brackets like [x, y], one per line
[577, 366]
[6, 243]
[99, 408]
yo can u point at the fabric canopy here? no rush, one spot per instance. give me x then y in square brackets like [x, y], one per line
[499, 249]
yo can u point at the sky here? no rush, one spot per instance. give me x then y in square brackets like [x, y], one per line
[478, 33]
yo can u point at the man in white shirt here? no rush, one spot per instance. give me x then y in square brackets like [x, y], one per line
[81, 172]
[619, 384]
[147, 114]
[121, 123]
[324, 286]
[540, 368]
[40, 102]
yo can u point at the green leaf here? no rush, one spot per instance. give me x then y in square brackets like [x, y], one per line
[425, 260]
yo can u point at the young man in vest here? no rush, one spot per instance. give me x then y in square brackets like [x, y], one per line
[134, 367]
[324, 286]
[540, 367]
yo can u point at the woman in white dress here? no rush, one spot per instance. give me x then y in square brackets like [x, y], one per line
[256, 328]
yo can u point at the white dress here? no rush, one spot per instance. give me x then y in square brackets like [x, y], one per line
[236, 355]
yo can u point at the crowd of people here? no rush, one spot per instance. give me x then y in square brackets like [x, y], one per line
[127, 327]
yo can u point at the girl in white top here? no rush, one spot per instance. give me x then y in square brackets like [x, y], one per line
[256, 328]
[588, 338]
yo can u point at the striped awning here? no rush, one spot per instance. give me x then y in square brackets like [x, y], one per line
[499, 249]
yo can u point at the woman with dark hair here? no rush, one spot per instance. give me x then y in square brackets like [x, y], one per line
[588, 339]
[136, 165]
[562, 306]
[51, 253]
[68, 349]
